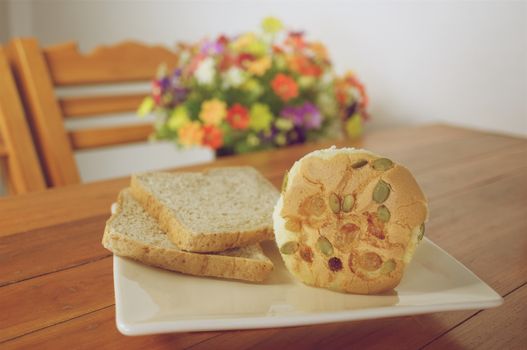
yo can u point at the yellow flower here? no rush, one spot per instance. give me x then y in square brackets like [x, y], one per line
[272, 25]
[260, 66]
[178, 118]
[261, 117]
[284, 124]
[327, 103]
[252, 140]
[253, 86]
[280, 61]
[354, 126]
[306, 81]
[162, 71]
[146, 106]
[213, 111]
[190, 134]
[249, 43]
[256, 48]
[243, 41]
[280, 139]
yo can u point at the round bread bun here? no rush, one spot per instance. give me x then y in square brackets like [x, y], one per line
[349, 220]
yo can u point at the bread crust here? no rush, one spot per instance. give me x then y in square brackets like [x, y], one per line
[361, 252]
[170, 257]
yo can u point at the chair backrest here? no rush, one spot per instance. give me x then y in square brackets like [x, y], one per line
[24, 173]
[41, 70]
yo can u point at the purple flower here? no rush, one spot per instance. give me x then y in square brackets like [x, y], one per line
[312, 119]
[212, 47]
[179, 94]
[172, 85]
[298, 33]
[267, 137]
[296, 135]
[277, 137]
[306, 115]
[164, 84]
[292, 113]
[177, 74]
[351, 109]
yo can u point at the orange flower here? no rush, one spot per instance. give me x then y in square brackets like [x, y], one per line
[226, 62]
[284, 87]
[260, 66]
[353, 81]
[320, 51]
[303, 65]
[212, 136]
[296, 40]
[277, 49]
[341, 91]
[190, 134]
[238, 117]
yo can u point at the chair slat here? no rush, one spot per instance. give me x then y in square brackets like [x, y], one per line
[23, 166]
[82, 107]
[3, 151]
[100, 137]
[41, 70]
[43, 111]
[126, 62]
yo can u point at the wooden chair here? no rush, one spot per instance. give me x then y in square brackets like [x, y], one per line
[17, 151]
[40, 70]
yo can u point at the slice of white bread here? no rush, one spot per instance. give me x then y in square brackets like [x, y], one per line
[132, 233]
[212, 211]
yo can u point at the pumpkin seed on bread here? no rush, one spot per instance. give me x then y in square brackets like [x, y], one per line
[349, 220]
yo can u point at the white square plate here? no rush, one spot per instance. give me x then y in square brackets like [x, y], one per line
[151, 300]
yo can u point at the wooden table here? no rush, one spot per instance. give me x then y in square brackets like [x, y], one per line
[56, 287]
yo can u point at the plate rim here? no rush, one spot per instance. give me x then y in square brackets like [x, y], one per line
[291, 320]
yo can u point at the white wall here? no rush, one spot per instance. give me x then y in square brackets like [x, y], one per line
[458, 62]
[3, 21]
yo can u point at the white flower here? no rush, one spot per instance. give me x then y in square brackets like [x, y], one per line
[205, 72]
[184, 57]
[234, 77]
[326, 79]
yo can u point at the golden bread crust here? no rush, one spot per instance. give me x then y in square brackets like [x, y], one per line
[348, 220]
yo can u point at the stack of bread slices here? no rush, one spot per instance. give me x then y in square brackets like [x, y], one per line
[200, 223]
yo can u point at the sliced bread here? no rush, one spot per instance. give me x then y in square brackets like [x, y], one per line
[132, 233]
[212, 211]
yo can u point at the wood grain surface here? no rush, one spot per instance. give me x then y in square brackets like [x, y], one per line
[3, 150]
[24, 173]
[109, 136]
[106, 64]
[43, 113]
[93, 106]
[56, 286]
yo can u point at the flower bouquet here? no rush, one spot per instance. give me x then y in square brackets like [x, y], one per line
[254, 91]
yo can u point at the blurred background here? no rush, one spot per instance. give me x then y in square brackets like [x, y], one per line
[452, 61]
[457, 62]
